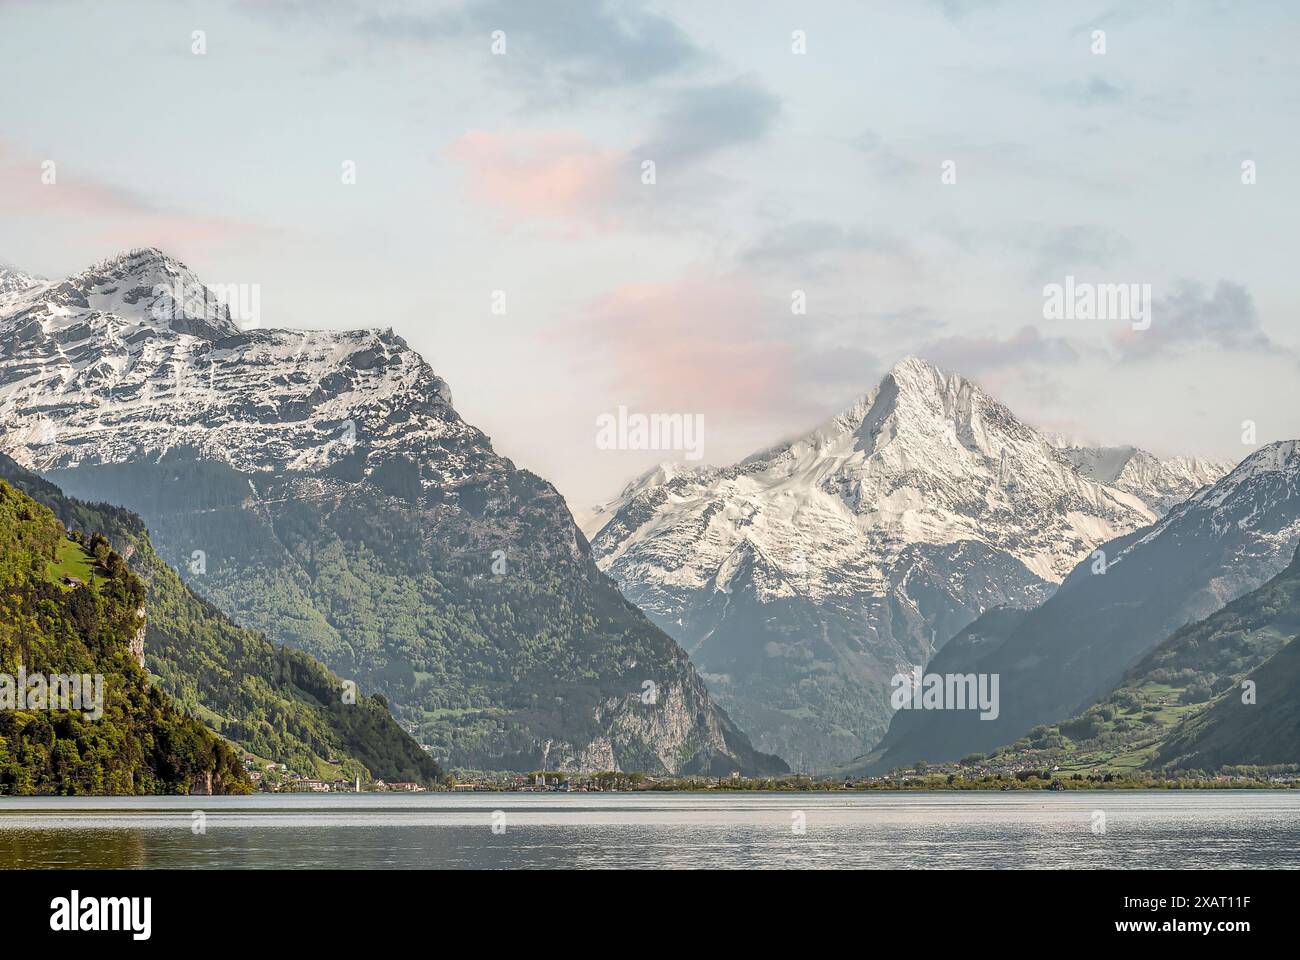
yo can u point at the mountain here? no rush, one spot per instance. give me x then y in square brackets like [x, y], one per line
[1181, 705]
[1160, 484]
[802, 579]
[69, 607]
[1265, 732]
[1223, 542]
[13, 280]
[275, 702]
[320, 487]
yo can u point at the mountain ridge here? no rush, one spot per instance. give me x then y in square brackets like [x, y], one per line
[1221, 543]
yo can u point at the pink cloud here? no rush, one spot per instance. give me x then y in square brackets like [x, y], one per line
[543, 175]
[700, 344]
[101, 210]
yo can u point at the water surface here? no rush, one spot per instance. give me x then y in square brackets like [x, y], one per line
[1209, 829]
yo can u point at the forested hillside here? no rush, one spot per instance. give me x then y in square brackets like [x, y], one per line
[70, 606]
[276, 702]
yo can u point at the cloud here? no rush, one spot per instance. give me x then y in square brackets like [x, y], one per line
[888, 162]
[106, 211]
[700, 344]
[704, 120]
[560, 175]
[594, 43]
[1068, 249]
[811, 239]
[543, 174]
[1226, 318]
[975, 355]
[1095, 91]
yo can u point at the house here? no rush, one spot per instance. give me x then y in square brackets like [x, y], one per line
[72, 582]
[405, 785]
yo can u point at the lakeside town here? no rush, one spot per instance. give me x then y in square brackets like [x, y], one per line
[273, 777]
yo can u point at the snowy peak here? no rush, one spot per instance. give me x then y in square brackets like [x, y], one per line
[1270, 474]
[13, 280]
[139, 290]
[153, 288]
[926, 457]
[1162, 484]
[808, 574]
[134, 358]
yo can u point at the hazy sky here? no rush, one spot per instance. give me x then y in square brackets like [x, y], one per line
[775, 171]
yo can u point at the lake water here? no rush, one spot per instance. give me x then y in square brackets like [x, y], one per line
[1212, 829]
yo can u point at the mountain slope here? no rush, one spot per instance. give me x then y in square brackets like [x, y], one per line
[1232, 731]
[1160, 484]
[275, 702]
[71, 607]
[1180, 706]
[803, 578]
[321, 488]
[1222, 543]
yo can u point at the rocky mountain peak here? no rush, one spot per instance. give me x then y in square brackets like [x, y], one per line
[14, 280]
[866, 542]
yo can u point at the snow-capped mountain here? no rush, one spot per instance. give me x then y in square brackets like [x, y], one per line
[13, 280]
[1223, 542]
[804, 577]
[111, 366]
[320, 487]
[1160, 484]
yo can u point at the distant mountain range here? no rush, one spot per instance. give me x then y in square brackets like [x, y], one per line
[333, 519]
[320, 488]
[1221, 692]
[803, 578]
[1057, 659]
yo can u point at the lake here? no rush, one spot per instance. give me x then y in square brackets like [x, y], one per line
[1100, 829]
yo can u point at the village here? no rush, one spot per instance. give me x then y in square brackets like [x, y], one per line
[271, 777]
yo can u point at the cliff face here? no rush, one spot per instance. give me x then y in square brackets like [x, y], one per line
[137, 639]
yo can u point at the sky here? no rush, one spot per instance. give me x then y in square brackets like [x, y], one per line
[915, 173]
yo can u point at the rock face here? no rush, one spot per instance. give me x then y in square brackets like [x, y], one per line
[1223, 542]
[137, 642]
[202, 785]
[319, 486]
[804, 577]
